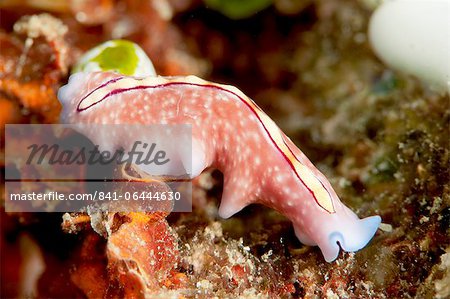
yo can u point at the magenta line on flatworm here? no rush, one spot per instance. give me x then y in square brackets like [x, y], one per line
[117, 91]
[95, 89]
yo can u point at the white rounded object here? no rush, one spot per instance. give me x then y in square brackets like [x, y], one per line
[121, 56]
[413, 36]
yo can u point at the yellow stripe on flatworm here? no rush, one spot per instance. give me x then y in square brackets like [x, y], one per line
[309, 179]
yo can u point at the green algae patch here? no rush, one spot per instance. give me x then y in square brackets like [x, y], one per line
[237, 9]
[121, 57]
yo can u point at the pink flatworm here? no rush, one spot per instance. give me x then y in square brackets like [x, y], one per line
[229, 132]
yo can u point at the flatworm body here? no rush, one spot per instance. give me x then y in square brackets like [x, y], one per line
[229, 132]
